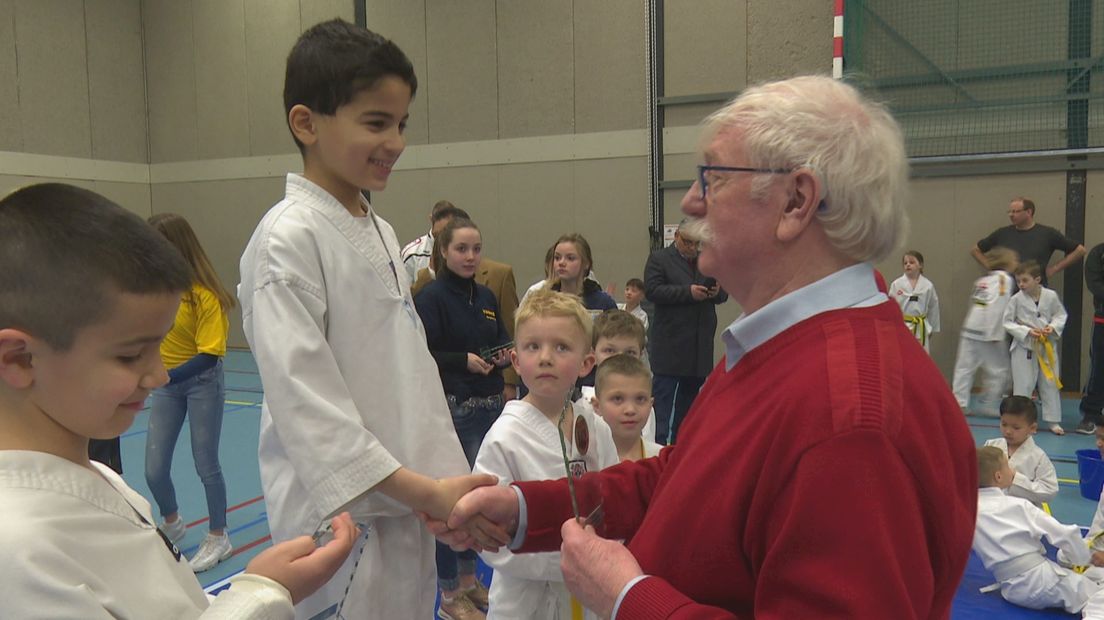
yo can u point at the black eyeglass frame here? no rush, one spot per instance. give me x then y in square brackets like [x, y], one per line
[703, 168]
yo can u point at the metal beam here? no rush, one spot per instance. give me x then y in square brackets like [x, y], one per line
[690, 99]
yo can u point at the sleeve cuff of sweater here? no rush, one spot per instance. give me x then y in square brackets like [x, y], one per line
[648, 597]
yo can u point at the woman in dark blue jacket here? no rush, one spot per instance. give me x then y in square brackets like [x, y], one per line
[462, 324]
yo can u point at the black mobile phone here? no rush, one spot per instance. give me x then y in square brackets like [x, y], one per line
[709, 282]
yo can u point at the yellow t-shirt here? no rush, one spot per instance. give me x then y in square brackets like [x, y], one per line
[201, 326]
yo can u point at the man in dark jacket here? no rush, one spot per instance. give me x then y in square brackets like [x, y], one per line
[1093, 401]
[681, 342]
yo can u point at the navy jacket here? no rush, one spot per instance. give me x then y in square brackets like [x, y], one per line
[682, 331]
[461, 317]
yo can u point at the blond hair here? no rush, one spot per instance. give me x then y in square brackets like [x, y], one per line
[991, 459]
[615, 323]
[1001, 259]
[180, 234]
[544, 303]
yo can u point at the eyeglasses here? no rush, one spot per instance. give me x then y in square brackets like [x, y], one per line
[702, 169]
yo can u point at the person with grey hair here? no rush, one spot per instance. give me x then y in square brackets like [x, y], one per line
[824, 470]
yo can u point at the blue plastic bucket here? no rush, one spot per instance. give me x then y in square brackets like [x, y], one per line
[1091, 471]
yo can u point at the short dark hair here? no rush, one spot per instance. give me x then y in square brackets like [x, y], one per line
[1030, 268]
[1028, 204]
[613, 323]
[333, 61]
[66, 251]
[1020, 405]
[621, 364]
[636, 283]
[449, 212]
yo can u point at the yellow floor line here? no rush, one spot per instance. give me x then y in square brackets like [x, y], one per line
[242, 402]
[1069, 480]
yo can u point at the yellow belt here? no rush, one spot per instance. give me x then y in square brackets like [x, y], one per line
[919, 325]
[576, 609]
[1044, 352]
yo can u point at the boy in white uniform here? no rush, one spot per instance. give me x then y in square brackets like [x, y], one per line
[1094, 538]
[87, 292]
[982, 341]
[1036, 481]
[352, 396]
[1007, 539]
[623, 397]
[917, 298]
[616, 332]
[1035, 318]
[552, 350]
[634, 294]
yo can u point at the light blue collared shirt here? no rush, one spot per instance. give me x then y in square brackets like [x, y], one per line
[851, 287]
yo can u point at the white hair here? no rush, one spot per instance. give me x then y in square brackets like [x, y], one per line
[851, 143]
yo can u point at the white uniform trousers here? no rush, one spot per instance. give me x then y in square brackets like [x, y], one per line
[395, 577]
[992, 357]
[1027, 376]
[1049, 585]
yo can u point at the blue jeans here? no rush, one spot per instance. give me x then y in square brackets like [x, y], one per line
[200, 399]
[471, 419]
[673, 397]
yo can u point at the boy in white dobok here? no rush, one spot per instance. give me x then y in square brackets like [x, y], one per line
[623, 398]
[88, 291]
[354, 415]
[616, 332]
[1035, 318]
[1094, 538]
[552, 350]
[982, 341]
[1007, 539]
[1036, 480]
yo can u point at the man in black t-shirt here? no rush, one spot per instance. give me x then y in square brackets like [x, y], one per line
[1031, 241]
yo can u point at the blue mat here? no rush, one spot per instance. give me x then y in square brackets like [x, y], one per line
[969, 603]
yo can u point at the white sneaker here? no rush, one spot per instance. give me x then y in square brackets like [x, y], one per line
[212, 550]
[173, 531]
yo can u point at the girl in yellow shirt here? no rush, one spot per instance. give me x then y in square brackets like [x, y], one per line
[192, 352]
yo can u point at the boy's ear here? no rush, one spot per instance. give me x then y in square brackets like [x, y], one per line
[594, 402]
[514, 359]
[588, 363]
[16, 368]
[301, 120]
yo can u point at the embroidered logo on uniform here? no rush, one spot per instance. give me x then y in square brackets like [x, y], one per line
[489, 314]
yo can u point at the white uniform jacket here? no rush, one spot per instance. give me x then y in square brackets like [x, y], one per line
[79, 543]
[350, 389]
[919, 301]
[525, 445]
[1036, 481]
[415, 255]
[985, 318]
[1008, 533]
[1023, 313]
[587, 391]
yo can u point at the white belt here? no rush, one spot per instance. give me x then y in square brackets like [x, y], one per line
[1016, 566]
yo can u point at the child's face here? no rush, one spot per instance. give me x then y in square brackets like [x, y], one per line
[633, 296]
[96, 388]
[624, 402]
[1015, 429]
[360, 143]
[911, 265]
[551, 353]
[567, 263]
[1100, 439]
[464, 252]
[606, 348]
[1028, 283]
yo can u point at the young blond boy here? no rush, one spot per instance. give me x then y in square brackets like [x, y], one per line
[87, 292]
[1036, 480]
[982, 341]
[1035, 318]
[1007, 539]
[552, 350]
[623, 398]
[616, 332]
[353, 403]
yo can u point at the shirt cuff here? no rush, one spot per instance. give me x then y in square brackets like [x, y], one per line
[523, 521]
[624, 591]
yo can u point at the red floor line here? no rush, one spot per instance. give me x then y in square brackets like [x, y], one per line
[247, 547]
[228, 510]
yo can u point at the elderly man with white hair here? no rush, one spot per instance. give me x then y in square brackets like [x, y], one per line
[825, 470]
